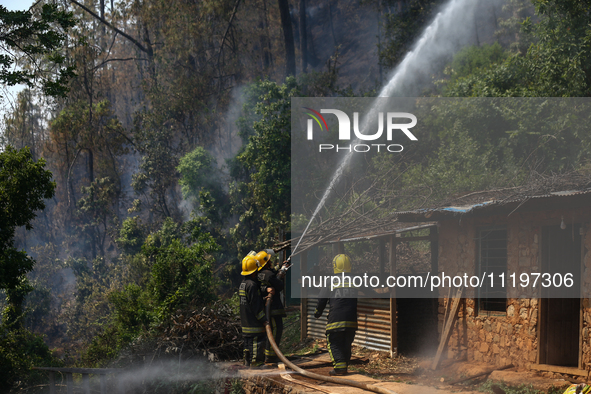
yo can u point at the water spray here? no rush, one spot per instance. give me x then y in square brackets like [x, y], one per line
[439, 39]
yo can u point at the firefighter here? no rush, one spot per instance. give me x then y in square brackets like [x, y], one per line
[269, 282]
[342, 317]
[252, 313]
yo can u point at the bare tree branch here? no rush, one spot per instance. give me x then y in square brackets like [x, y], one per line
[130, 38]
[227, 29]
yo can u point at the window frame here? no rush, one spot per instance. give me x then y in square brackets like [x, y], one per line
[482, 300]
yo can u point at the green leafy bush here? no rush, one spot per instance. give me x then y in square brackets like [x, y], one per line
[20, 350]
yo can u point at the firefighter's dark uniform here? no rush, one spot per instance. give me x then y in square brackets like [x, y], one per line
[341, 325]
[268, 278]
[252, 318]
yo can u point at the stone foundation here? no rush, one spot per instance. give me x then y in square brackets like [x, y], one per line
[509, 337]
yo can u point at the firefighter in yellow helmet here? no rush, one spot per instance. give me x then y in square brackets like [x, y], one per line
[252, 312]
[270, 283]
[342, 317]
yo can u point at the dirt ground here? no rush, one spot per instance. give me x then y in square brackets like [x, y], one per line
[409, 375]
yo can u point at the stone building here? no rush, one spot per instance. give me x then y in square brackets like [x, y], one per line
[518, 232]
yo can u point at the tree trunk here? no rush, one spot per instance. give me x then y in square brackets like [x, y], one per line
[303, 36]
[334, 38]
[290, 68]
[90, 165]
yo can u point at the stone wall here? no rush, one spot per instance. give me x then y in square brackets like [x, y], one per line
[509, 337]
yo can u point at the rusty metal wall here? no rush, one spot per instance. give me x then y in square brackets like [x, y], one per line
[374, 323]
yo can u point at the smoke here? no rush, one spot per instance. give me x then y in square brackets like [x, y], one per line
[183, 375]
[229, 142]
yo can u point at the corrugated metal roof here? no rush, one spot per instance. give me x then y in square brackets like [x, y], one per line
[469, 208]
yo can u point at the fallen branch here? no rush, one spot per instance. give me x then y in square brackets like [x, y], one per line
[481, 374]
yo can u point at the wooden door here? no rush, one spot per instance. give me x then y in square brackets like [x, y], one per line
[560, 317]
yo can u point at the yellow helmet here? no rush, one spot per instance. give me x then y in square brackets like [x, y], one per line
[264, 256]
[341, 263]
[250, 264]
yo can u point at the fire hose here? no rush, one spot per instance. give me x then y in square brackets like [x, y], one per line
[312, 375]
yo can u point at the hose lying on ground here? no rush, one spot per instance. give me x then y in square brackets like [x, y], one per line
[312, 375]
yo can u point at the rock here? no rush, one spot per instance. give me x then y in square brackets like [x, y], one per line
[510, 311]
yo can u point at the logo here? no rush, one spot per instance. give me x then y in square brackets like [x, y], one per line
[393, 124]
[311, 125]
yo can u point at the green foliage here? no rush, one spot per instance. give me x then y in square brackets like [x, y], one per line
[509, 29]
[24, 185]
[200, 181]
[131, 307]
[131, 235]
[183, 275]
[19, 351]
[12, 315]
[197, 169]
[236, 386]
[35, 36]
[173, 270]
[157, 173]
[473, 59]
[262, 193]
[481, 162]
[556, 64]
[95, 208]
[88, 315]
[401, 29]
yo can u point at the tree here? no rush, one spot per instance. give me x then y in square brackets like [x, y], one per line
[290, 62]
[201, 182]
[24, 125]
[402, 28]
[261, 194]
[556, 64]
[24, 184]
[86, 145]
[35, 36]
[303, 35]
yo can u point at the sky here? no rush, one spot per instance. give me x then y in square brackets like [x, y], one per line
[14, 5]
[10, 93]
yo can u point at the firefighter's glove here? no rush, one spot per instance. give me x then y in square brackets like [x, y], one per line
[317, 314]
[283, 270]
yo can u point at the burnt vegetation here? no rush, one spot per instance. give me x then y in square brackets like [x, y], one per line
[165, 127]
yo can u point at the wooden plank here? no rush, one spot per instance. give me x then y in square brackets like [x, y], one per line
[558, 369]
[434, 243]
[393, 322]
[304, 299]
[382, 255]
[70, 383]
[86, 383]
[51, 382]
[412, 239]
[103, 384]
[447, 329]
[287, 376]
[447, 307]
[581, 311]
